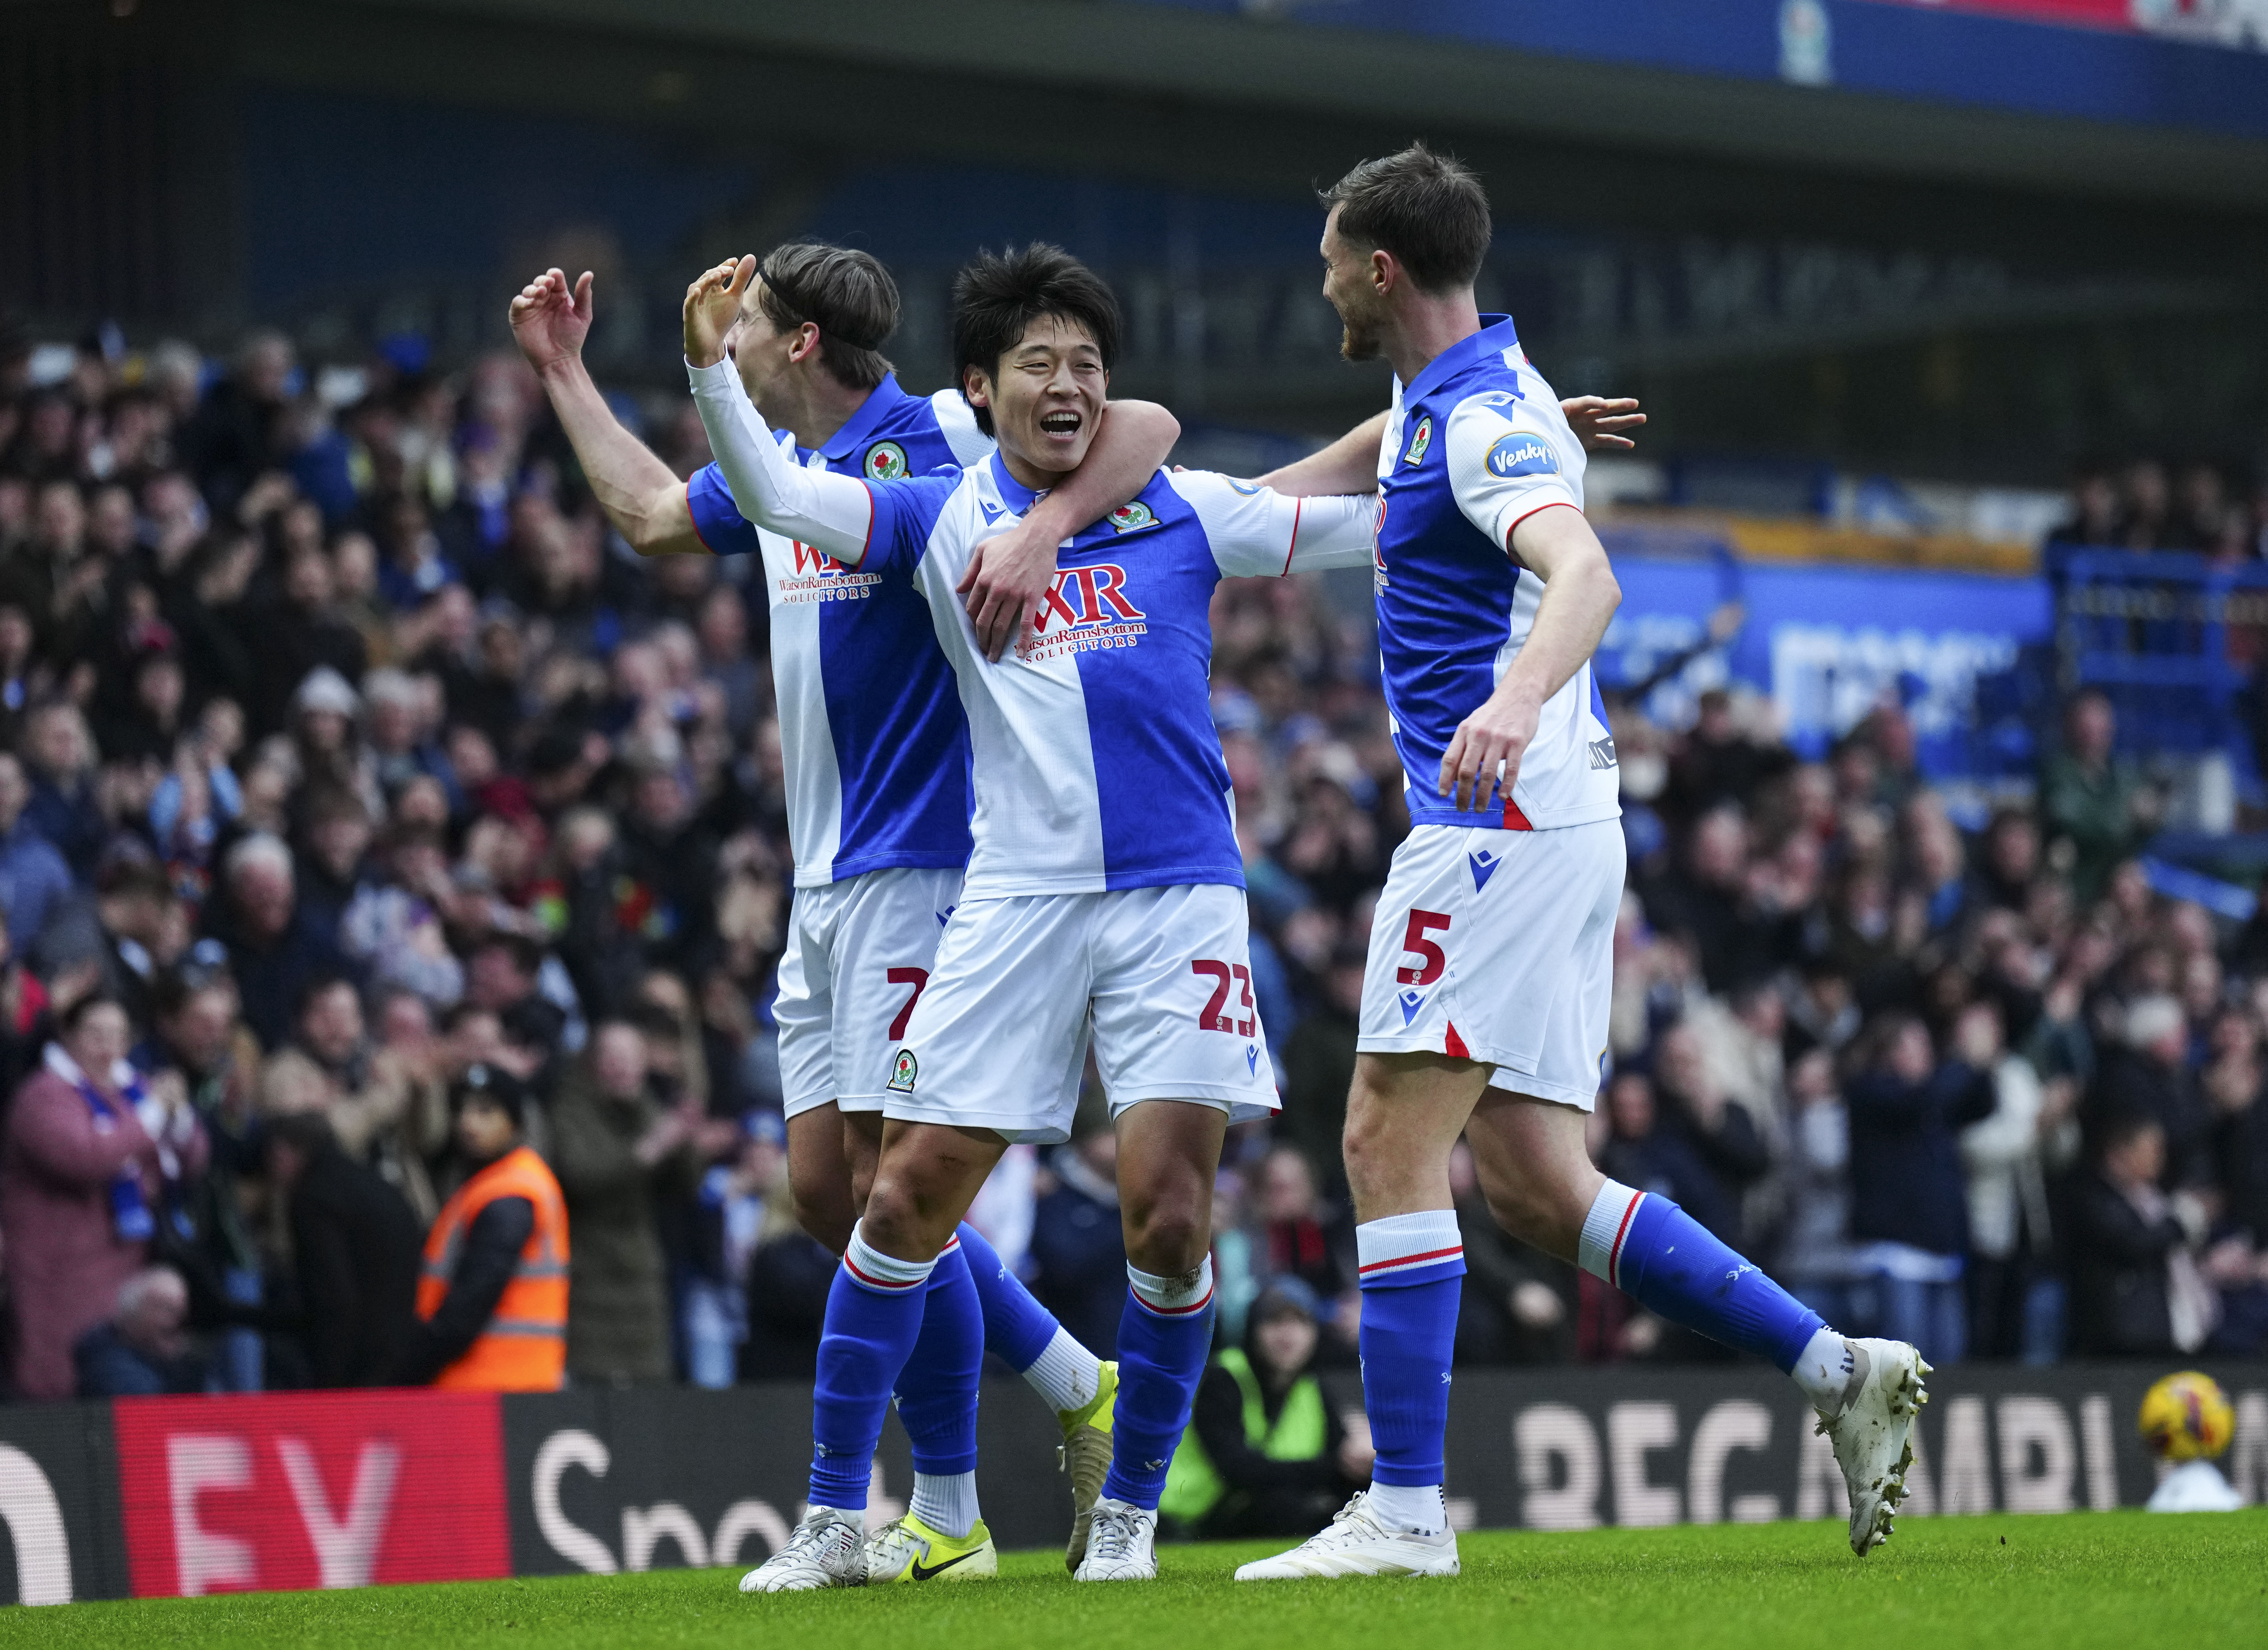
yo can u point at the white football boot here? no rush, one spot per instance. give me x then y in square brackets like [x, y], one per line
[1359, 1542]
[1872, 1434]
[1122, 1544]
[829, 1549]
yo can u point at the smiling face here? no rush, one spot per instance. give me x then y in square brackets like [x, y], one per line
[1046, 397]
[1350, 282]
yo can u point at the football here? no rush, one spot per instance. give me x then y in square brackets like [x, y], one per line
[2187, 1417]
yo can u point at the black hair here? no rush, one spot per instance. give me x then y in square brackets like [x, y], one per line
[997, 296]
[1428, 210]
[308, 1133]
[847, 294]
[492, 1086]
[71, 1019]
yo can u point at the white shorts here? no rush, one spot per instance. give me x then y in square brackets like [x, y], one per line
[1498, 946]
[1160, 976]
[858, 953]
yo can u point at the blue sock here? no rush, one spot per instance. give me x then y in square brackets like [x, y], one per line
[937, 1389]
[1017, 1328]
[1412, 1268]
[1670, 1264]
[1164, 1338]
[873, 1317]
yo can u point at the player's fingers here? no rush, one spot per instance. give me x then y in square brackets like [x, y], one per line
[968, 577]
[582, 299]
[1450, 760]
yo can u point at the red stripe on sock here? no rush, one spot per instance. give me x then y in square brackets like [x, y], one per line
[1175, 1312]
[880, 1283]
[1615, 1254]
[1411, 1260]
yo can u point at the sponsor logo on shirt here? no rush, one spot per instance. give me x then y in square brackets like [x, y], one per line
[1420, 441]
[1603, 752]
[818, 577]
[1087, 609]
[1521, 453]
[885, 462]
[903, 1069]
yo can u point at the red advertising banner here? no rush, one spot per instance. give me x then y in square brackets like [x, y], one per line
[318, 1489]
[2202, 22]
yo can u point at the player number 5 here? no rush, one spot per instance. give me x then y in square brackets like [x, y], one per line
[1224, 975]
[1414, 941]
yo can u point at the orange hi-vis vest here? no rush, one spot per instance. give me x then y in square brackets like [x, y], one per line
[523, 1348]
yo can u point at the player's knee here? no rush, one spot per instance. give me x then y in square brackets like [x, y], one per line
[1374, 1156]
[1166, 1238]
[828, 1219]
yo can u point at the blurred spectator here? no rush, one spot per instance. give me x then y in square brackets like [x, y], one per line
[1264, 1453]
[34, 879]
[1300, 1236]
[142, 1350]
[1909, 1210]
[92, 1160]
[273, 946]
[2095, 806]
[2014, 1294]
[729, 1219]
[494, 1292]
[356, 1245]
[790, 1273]
[2136, 1289]
[2148, 1075]
[620, 1153]
[1319, 1069]
[1078, 1248]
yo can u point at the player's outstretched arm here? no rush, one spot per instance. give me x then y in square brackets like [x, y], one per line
[1579, 595]
[1349, 465]
[1008, 575]
[832, 514]
[641, 495]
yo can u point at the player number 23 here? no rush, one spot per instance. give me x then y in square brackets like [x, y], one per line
[1224, 975]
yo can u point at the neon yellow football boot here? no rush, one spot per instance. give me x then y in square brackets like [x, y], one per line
[1086, 1455]
[907, 1550]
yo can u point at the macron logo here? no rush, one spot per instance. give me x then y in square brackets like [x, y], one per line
[1411, 1002]
[945, 916]
[1252, 1058]
[1484, 865]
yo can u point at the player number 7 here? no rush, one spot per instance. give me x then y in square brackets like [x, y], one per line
[917, 979]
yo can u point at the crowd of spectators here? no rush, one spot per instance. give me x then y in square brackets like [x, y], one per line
[347, 758]
[2202, 506]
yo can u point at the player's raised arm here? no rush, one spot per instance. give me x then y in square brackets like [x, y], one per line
[1258, 532]
[1580, 595]
[1008, 575]
[1349, 464]
[640, 494]
[831, 513]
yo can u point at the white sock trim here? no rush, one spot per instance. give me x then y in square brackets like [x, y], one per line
[1599, 1252]
[1824, 1370]
[1065, 1373]
[1180, 1297]
[946, 1502]
[1418, 1507]
[884, 1274]
[1399, 1242]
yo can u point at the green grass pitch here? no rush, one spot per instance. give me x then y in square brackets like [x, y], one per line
[2123, 1579]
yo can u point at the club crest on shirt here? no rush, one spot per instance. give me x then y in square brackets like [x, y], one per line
[1420, 441]
[1133, 518]
[903, 1069]
[1521, 453]
[885, 462]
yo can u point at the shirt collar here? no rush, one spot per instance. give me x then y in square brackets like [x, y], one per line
[1496, 336]
[883, 399]
[1018, 497]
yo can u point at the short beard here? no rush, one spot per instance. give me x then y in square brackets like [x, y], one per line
[1358, 338]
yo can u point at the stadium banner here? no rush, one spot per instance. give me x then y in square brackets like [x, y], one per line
[60, 1539]
[1637, 1446]
[292, 1490]
[1825, 644]
[307, 1490]
[605, 1482]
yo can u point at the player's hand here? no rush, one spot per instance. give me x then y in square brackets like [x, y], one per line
[1003, 587]
[1484, 756]
[549, 322]
[1598, 423]
[712, 305]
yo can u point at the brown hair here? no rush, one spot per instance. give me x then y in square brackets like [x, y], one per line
[847, 294]
[1429, 211]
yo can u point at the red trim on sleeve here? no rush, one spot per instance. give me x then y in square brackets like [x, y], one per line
[696, 520]
[1298, 505]
[871, 513]
[1513, 526]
